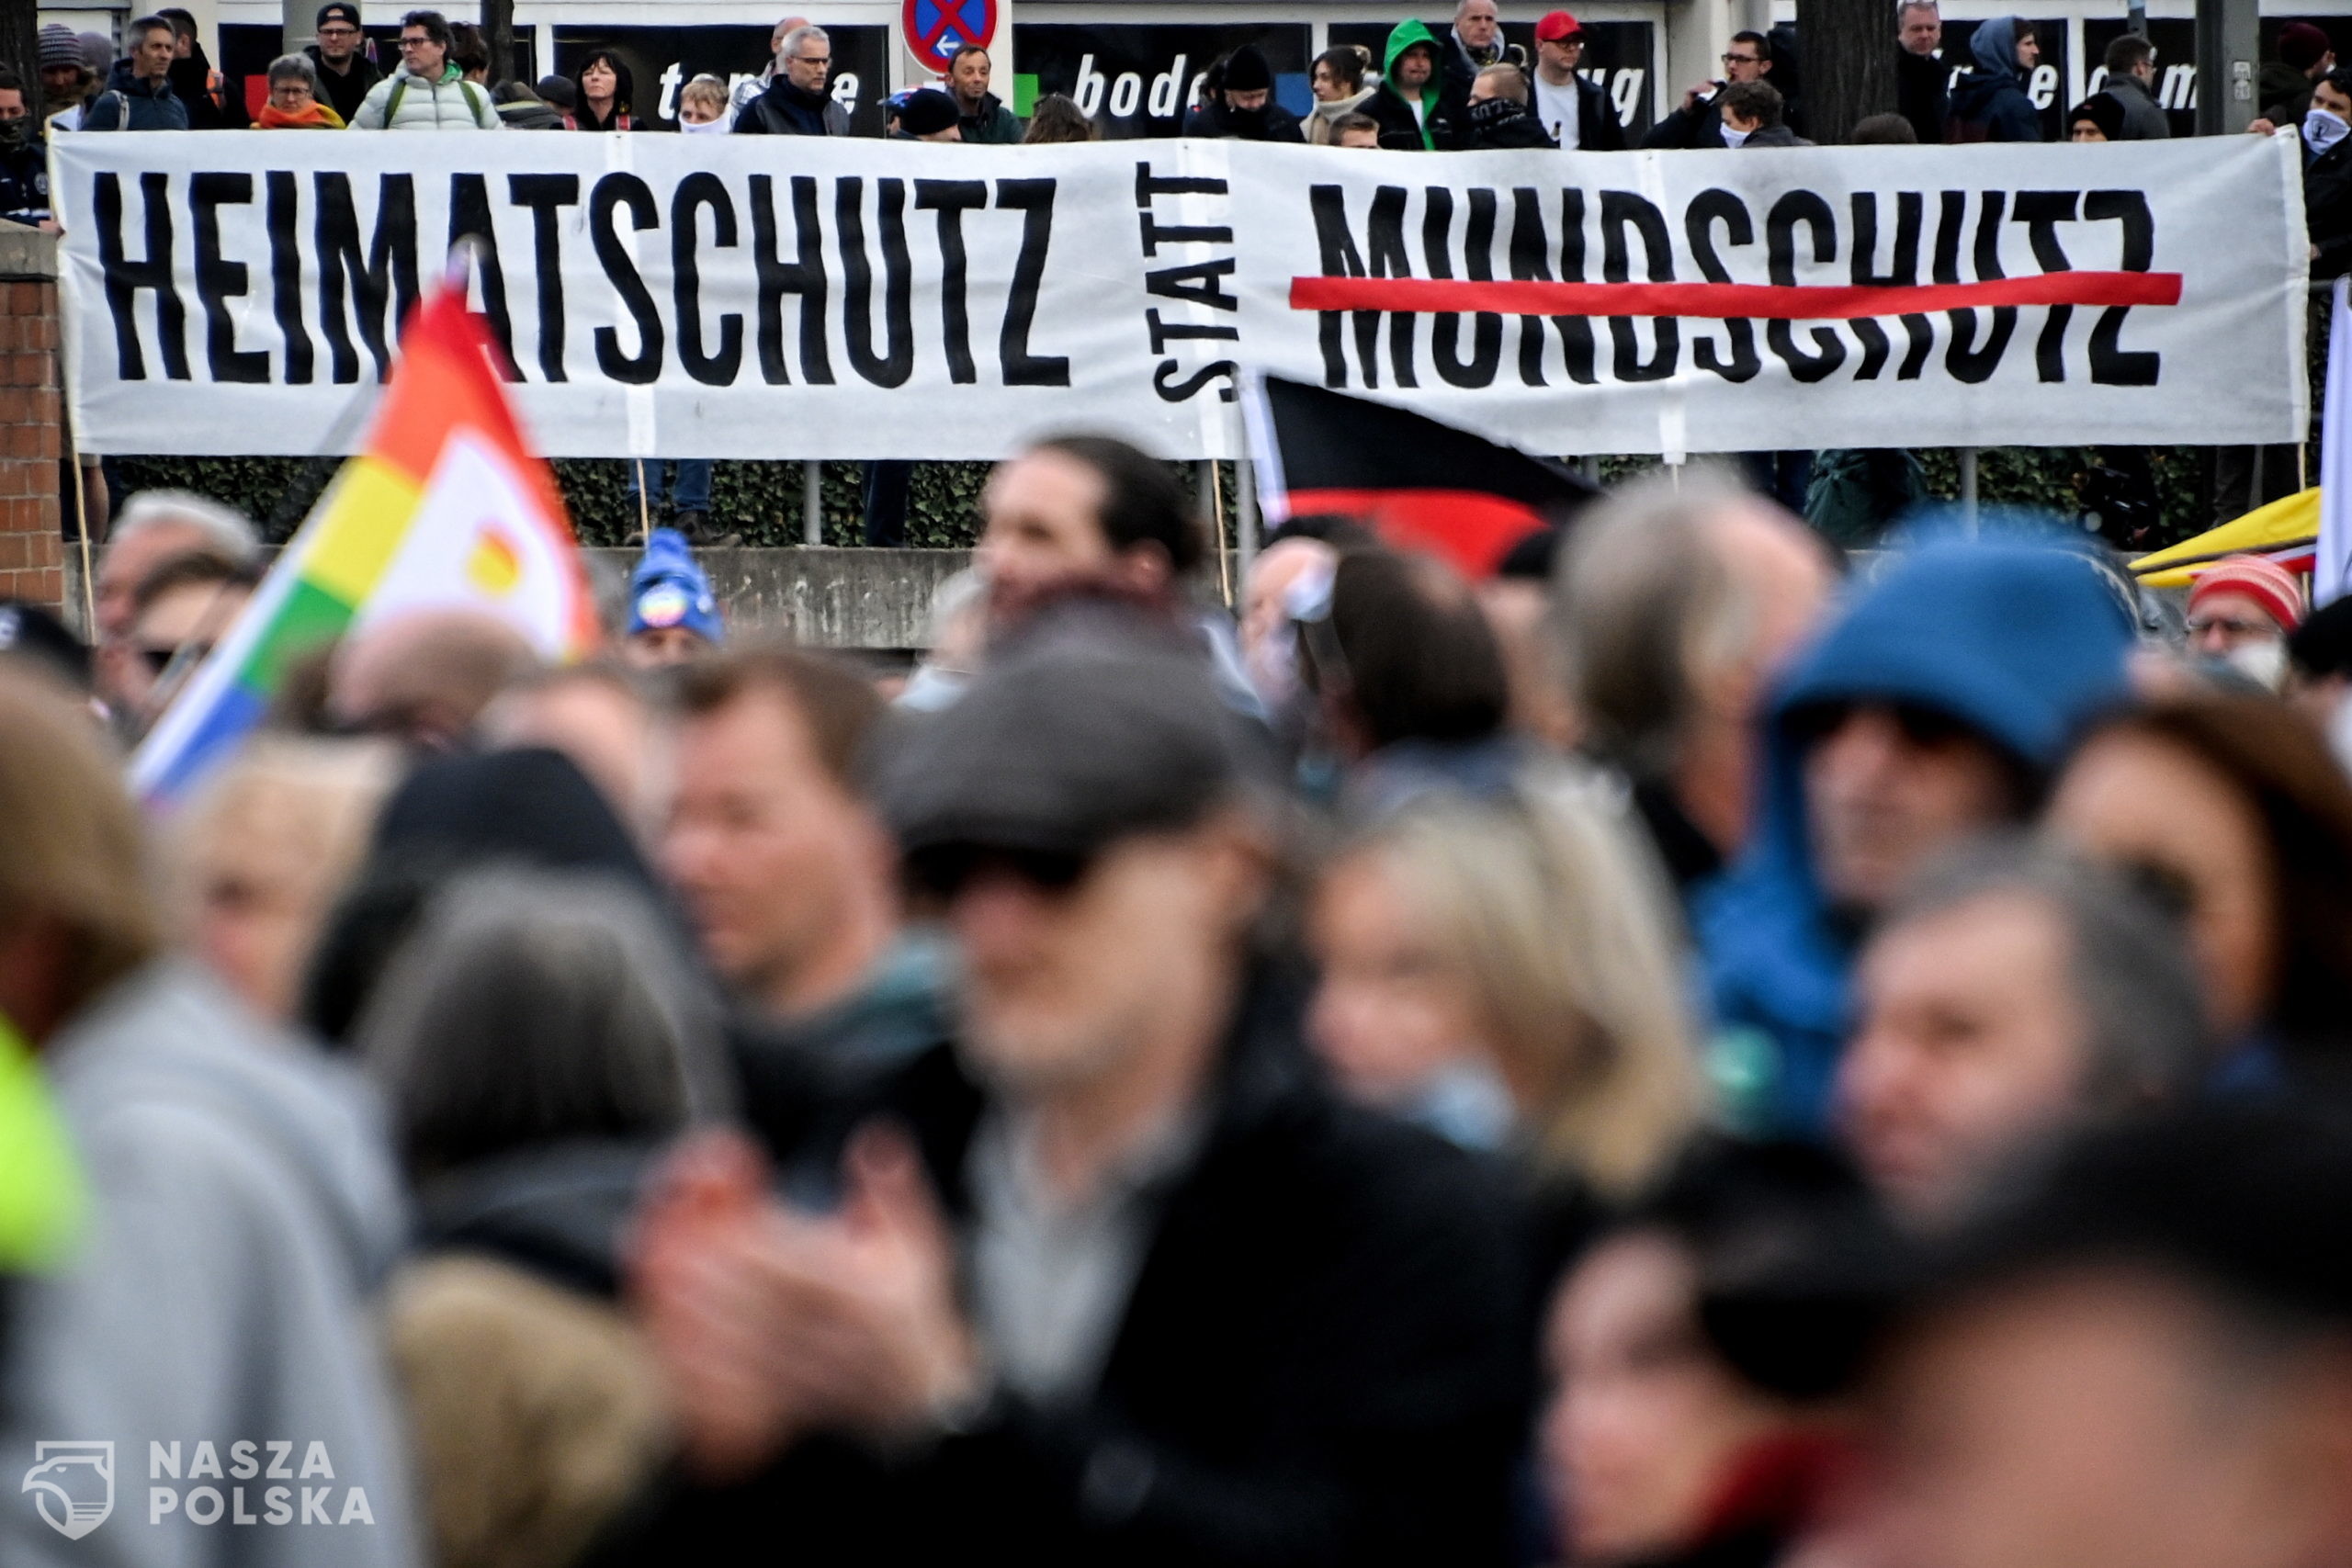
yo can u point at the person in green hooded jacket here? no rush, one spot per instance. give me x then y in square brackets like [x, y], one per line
[1412, 107]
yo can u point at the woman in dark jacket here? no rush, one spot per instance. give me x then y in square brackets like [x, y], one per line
[605, 89]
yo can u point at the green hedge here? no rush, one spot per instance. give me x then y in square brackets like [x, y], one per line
[762, 501]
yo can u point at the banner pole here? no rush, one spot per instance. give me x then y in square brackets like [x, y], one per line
[1216, 512]
[1968, 490]
[1245, 511]
[644, 505]
[812, 502]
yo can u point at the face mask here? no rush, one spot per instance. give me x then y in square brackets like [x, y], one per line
[1735, 137]
[708, 128]
[2322, 131]
[2263, 661]
[13, 133]
[1489, 112]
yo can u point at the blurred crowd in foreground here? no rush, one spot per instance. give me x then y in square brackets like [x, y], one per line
[1683, 1052]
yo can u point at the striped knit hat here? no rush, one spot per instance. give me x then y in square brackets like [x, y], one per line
[59, 46]
[2260, 578]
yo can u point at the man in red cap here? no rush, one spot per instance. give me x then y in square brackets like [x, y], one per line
[2239, 612]
[1577, 113]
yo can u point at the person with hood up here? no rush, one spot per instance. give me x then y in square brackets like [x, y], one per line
[673, 615]
[1337, 82]
[139, 95]
[240, 1210]
[795, 103]
[1411, 104]
[1933, 709]
[1497, 115]
[1237, 102]
[1989, 102]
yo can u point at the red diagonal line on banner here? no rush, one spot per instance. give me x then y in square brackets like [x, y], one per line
[1782, 302]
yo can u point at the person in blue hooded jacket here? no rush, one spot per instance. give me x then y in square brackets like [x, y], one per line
[1934, 708]
[1989, 102]
[672, 614]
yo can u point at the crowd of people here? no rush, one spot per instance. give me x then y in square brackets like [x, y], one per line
[1684, 1051]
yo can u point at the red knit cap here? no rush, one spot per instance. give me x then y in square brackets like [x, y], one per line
[2260, 578]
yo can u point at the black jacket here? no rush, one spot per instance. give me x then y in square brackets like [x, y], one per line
[1324, 1359]
[784, 110]
[2328, 209]
[344, 93]
[1459, 69]
[1401, 131]
[1700, 125]
[1921, 94]
[1500, 124]
[1273, 123]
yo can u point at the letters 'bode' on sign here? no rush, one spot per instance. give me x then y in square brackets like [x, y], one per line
[935, 30]
[803, 297]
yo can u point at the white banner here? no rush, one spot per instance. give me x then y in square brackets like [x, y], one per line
[236, 293]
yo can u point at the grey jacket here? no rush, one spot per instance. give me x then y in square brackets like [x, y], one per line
[2144, 117]
[242, 1207]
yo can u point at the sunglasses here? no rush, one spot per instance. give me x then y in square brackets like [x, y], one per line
[945, 871]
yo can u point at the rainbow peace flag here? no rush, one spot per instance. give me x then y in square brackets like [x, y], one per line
[445, 507]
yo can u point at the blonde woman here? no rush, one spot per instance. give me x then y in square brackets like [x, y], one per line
[264, 852]
[1507, 969]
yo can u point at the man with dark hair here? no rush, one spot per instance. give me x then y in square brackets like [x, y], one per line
[1751, 112]
[23, 157]
[1126, 1283]
[140, 95]
[2140, 1358]
[1085, 508]
[429, 92]
[1699, 122]
[345, 74]
[986, 121]
[2130, 73]
[787, 874]
[2013, 993]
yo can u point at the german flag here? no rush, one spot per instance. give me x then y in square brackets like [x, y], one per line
[1419, 484]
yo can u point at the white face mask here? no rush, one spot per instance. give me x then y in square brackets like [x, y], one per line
[2322, 131]
[2263, 660]
[1735, 137]
[708, 128]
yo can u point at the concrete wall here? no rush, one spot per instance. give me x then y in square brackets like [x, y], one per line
[826, 598]
[33, 552]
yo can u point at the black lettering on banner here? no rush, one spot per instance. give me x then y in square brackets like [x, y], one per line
[1529, 263]
[612, 193]
[1385, 234]
[1779, 242]
[897, 361]
[126, 278]
[1479, 244]
[1966, 363]
[220, 280]
[384, 281]
[697, 190]
[1623, 211]
[2111, 364]
[1576, 331]
[283, 210]
[1179, 391]
[1033, 199]
[2041, 211]
[1196, 282]
[1328, 206]
[543, 194]
[1708, 209]
[777, 278]
[951, 199]
[470, 222]
[1902, 273]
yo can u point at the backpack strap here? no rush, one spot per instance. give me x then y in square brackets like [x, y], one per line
[121, 110]
[473, 98]
[392, 102]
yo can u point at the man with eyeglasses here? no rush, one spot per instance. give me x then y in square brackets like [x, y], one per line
[428, 91]
[345, 74]
[2130, 81]
[1933, 710]
[795, 103]
[1117, 1278]
[1699, 122]
[2241, 612]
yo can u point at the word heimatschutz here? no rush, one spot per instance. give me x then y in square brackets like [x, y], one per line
[833, 298]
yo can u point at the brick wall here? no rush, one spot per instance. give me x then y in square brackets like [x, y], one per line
[32, 553]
